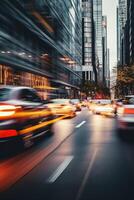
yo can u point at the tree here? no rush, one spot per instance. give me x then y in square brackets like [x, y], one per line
[93, 89]
[125, 80]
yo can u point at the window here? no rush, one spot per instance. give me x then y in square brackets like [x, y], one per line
[88, 60]
[88, 45]
[29, 95]
[87, 34]
[4, 94]
[87, 50]
[87, 29]
[87, 39]
[87, 20]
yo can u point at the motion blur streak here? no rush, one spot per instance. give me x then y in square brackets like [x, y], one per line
[16, 167]
[33, 128]
[32, 114]
[43, 22]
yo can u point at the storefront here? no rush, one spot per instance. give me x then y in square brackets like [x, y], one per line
[9, 76]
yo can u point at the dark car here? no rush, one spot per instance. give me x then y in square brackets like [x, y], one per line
[23, 116]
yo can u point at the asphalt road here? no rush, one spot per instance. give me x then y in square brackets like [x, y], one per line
[86, 159]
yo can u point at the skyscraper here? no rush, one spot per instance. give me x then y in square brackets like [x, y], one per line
[94, 46]
[130, 31]
[121, 22]
[87, 40]
[118, 37]
[105, 63]
[97, 15]
[108, 69]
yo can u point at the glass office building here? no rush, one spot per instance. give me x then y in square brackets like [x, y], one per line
[97, 14]
[87, 36]
[121, 21]
[106, 67]
[41, 43]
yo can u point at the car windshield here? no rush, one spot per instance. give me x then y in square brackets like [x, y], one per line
[75, 101]
[129, 100]
[4, 94]
[102, 101]
[60, 101]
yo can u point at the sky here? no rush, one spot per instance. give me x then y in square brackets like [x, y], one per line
[109, 9]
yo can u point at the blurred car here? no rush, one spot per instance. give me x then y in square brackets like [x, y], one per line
[84, 103]
[125, 114]
[104, 107]
[76, 103]
[92, 104]
[62, 107]
[117, 103]
[23, 116]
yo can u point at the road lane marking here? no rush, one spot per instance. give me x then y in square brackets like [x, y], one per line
[60, 169]
[8, 173]
[88, 172]
[79, 125]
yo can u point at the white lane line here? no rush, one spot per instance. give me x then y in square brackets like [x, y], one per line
[88, 172]
[60, 169]
[79, 125]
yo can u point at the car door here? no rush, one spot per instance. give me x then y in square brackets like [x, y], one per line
[34, 108]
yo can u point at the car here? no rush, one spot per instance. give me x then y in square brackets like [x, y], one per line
[103, 107]
[84, 103]
[92, 104]
[62, 107]
[125, 114]
[76, 103]
[23, 116]
[117, 103]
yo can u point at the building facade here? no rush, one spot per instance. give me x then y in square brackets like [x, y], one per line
[105, 54]
[126, 45]
[94, 46]
[122, 13]
[41, 45]
[130, 30]
[87, 40]
[104, 48]
[118, 36]
[97, 15]
[125, 32]
[108, 69]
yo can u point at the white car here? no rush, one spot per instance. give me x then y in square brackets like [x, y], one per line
[104, 107]
[125, 114]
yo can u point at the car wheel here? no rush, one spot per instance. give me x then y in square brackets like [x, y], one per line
[50, 131]
[27, 141]
[120, 131]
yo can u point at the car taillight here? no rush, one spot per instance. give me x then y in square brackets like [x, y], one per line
[128, 111]
[7, 133]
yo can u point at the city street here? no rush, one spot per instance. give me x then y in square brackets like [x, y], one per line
[85, 159]
[66, 100]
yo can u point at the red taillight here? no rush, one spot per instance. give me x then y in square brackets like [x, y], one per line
[128, 111]
[7, 133]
